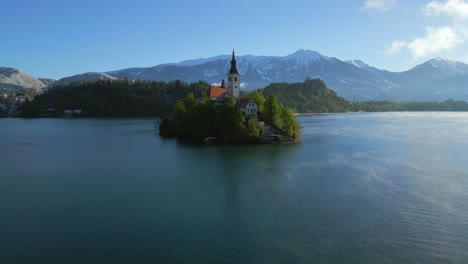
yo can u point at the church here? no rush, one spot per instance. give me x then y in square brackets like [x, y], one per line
[219, 93]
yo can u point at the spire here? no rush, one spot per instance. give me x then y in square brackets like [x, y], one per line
[233, 64]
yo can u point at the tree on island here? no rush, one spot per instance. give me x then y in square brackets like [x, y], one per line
[258, 97]
[194, 120]
[281, 116]
[273, 111]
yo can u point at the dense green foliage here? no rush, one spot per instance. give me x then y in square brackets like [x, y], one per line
[119, 98]
[273, 111]
[258, 97]
[290, 123]
[194, 120]
[281, 116]
[310, 96]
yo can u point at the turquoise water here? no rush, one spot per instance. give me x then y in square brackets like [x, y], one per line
[362, 188]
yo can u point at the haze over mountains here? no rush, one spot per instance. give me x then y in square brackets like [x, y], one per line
[435, 80]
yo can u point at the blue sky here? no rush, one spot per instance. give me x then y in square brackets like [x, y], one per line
[58, 38]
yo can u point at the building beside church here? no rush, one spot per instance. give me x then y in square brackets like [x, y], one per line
[219, 93]
[249, 107]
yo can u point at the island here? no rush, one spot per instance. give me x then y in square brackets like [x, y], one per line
[224, 116]
[227, 122]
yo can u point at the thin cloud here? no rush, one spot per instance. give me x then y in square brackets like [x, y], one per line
[378, 5]
[435, 40]
[457, 9]
[242, 85]
[396, 47]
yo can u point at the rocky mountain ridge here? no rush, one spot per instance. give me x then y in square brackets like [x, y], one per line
[14, 79]
[435, 80]
[354, 80]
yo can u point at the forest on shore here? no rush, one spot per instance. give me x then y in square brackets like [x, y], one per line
[126, 98]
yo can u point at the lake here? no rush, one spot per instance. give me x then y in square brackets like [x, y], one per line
[362, 188]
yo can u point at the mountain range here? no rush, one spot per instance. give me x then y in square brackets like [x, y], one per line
[435, 80]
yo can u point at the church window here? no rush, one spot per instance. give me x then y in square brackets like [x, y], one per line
[235, 79]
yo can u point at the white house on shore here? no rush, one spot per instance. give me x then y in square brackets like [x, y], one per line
[70, 113]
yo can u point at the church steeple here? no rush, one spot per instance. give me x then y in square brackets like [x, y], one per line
[233, 69]
[234, 78]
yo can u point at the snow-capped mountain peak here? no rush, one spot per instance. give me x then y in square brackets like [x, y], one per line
[306, 56]
[443, 67]
[440, 63]
[358, 63]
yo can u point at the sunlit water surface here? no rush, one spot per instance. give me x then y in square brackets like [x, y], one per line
[362, 188]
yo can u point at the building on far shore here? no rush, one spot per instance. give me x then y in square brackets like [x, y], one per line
[219, 93]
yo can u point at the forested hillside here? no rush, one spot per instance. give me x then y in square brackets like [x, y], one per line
[125, 98]
[310, 96]
[114, 98]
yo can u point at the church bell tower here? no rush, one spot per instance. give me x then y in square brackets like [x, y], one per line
[234, 78]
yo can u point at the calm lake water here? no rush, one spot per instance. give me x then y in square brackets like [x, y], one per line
[362, 188]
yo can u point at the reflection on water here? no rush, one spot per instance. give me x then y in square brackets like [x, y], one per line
[362, 188]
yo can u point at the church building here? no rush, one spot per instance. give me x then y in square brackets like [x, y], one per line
[234, 78]
[219, 93]
[233, 87]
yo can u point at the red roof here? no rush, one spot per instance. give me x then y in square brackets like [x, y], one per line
[216, 91]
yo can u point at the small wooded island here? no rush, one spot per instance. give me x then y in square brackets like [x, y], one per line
[222, 116]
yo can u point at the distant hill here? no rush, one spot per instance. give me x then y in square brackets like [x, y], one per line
[14, 79]
[115, 98]
[47, 81]
[310, 96]
[435, 80]
[85, 77]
